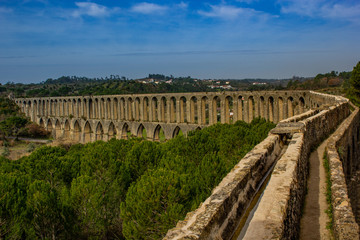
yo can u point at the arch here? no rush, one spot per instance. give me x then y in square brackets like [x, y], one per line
[281, 108]
[49, 125]
[41, 123]
[102, 109]
[154, 110]
[290, 106]
[162, 110]
[112, 131]
[78, 108]
[137, 109]
[87, 132]
[57, 129]
[67, 130]
[262, 107]
[271, 109]
[122, 108]
[216, 110]
[182, 108]
[74, 108]
[204, 111]
[85, 109]
[141, 132]
[125, 133]
[77, 131]
[177, 131]
[193, 110]
[108, 112]
[99, 132]
[91, 109]
[116, 108]
[145, 109]
[173, 117]
[159, 135]
[302, 104]
[129, 112]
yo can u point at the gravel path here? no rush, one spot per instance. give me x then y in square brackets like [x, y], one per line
[314, 220]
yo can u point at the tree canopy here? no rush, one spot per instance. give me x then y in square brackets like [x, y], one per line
[121, 189]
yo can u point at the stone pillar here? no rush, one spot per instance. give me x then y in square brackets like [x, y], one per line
[189, 112]
[168, 116]
[246, 109]
[201, 111]
[178, 111]
[223, 110]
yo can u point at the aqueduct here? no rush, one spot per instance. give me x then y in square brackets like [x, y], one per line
[91, 118]
[304, 119]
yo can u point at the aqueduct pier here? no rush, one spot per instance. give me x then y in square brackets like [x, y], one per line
[304, 119]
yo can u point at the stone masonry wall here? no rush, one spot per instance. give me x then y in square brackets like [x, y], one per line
[343, 153]
[218, 216]
[279, 211]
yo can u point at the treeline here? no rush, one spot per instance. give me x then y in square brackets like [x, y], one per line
[121, 189]
[320, 81]
[80, 86]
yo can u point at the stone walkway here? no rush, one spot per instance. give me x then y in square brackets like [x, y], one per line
[314, 220]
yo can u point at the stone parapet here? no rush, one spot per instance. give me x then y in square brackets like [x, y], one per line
[344, 197]
[218, 216]
[279, 211]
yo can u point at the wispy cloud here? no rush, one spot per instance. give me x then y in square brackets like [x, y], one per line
[148, 8]
[91, 9]
[323, 9]
[229, 12]
[5, 10]
[182, 5]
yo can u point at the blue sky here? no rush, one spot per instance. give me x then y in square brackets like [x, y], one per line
[42, 39]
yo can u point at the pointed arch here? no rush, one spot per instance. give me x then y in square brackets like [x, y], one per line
[57, 129]
[177, 131]
[112, 131]
[290, 106]
[87, 132]
[141, 132]
[77, 131]
[159, 135]
[125, 133]
[41, 123]
[99, 132]
[49, 125]
[67, 130]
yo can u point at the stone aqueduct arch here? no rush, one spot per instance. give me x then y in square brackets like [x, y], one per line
[91, 118]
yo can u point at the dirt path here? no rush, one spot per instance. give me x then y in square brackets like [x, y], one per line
[314, 220]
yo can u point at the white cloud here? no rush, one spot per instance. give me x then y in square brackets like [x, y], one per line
[228, 12]
[322, 9]
[148, 8]
[90, 9]
[183, 5]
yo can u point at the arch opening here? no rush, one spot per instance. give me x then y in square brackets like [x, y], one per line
[142, 133]
[77, 131]
[99, 132]
[112, 131]
[159, 135]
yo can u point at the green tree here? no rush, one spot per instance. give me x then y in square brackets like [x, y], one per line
[355, 80]
[13, 126]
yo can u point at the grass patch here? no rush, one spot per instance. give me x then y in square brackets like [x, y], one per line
[329, 210]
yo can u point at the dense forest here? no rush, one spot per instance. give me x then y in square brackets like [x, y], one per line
[121, 189]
